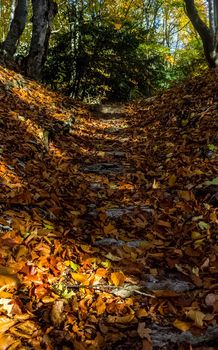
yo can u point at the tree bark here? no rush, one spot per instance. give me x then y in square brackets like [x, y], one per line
[208, 36]
[44, 12]
[16, 28]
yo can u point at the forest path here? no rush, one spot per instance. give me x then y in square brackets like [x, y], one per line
[108, 226]
[125, 220]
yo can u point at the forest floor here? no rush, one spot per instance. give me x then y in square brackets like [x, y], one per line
[108, 220]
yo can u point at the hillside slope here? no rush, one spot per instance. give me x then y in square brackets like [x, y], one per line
[108, 219]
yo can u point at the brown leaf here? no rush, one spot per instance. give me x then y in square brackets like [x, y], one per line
[120, 319]
[57, 313]
[146, 345]
[144, 332]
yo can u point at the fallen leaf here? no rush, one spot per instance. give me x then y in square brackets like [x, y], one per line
[182, 326]
[100, 306]
[118, 278]
[172, 180]
[143, 332]
[57, 313]
[146, 345]
[120, 319]
[6, 323]
[196, 316]
[6, 340]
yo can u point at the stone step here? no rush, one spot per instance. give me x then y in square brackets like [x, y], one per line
[108, 168]
[116, 213]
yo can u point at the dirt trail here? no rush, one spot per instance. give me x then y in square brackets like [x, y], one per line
[124, 211]
[108, 225]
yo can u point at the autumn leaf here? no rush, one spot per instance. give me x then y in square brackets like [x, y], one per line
[144, 332]
[118, 278]
[100, 306]
[182, 326]
[172, 180]
[79, 277]
[109, 229]
[120, 319]
[196, 316]
[57, 313]
[6, 323]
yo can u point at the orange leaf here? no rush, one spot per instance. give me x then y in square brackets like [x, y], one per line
[79, 277]
[118, 278]
[100, 306]
[182, 326]
[109, 229]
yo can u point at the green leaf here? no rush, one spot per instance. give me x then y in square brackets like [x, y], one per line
[212, 182]
[203, 225]
[72, 264]
[212, 147]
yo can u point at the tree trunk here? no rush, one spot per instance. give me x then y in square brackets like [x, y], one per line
[16, 28]
[209, 36]
[43, 13]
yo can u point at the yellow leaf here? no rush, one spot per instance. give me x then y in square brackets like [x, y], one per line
[109, 229]
[6, 323]
[6, 340]
[196, 235]
[155, 185]
[23, 251]
[79, 277]
[187, 195]
[101, 154]
[100, 306]
[196, 316]
[142, 313]
[120, 319]
[8, 281]
[118, 278]
[182, 326]
[172, 180]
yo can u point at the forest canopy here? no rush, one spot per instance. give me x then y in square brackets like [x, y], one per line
[106, 50]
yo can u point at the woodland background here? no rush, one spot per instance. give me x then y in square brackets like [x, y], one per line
[112, 50]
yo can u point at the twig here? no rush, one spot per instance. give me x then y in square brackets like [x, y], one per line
[106, 286]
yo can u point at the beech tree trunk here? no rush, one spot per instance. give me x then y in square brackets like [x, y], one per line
[44, 12]
[16, 28]
[209, 36]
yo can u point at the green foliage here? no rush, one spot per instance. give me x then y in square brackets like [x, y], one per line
[117, 52]
[189, 60]
[109, 64]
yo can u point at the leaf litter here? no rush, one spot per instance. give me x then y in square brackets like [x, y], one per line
[140, 273]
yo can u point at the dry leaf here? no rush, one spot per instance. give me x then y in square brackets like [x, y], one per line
[118, 278]
[144, 332]
[182, 326]
[120, 319]
[57, 313]
[172, 180]
[6, 340]
[6, 323]
[100, 306]
[146, 345]
[196, 316]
